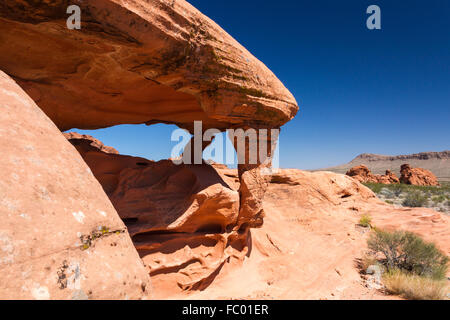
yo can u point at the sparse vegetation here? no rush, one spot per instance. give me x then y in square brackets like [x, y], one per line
[366, 261]
[375, 187]
[406, 251]
[413, 287]
[413, 268]
[415, 199]
[436, 197]
[87, 240]
[398, 188]
[365, 221]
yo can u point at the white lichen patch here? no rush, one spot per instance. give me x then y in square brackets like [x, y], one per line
[25, 216]
[15, 95]
[9, 204]
[43, 193]
[103, 213]
[40, 292]
[75, 276]
[118, 275]
[79, 216]
[35, 161]
[6, 249]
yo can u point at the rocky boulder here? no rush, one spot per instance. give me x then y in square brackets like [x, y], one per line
[60, 236]
[181, 217]
[363, 174]
[388, 178]
[417, 176]
[85, 142]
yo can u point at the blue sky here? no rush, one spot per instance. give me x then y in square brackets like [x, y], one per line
[377, 91]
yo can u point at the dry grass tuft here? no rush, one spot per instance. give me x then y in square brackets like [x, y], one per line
[414, 287]
[367, 261]
[365, 221]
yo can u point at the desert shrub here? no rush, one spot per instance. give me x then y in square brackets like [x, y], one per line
[408, 252]
[397, 189]
[439, 199]
[387, 193]
[415, 199]
[366, 261]
[414, 287]
[365, 221]
[375, 187]
[389, 201]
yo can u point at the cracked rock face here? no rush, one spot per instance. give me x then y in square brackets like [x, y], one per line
[50, 206]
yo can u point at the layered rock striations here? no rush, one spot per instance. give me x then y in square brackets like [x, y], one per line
[137, 62]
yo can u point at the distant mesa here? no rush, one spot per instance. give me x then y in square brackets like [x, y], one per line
[436, 162]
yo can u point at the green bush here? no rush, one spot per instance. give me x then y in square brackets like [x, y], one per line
[415, 199]
[438, 199]
[408, 252]
[375, 187]
[397, 189]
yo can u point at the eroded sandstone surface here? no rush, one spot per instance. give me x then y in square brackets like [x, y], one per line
[135, 62]
[307, 248]
[310, 244]
[150, 62]
[182, 218]
[60, 237]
